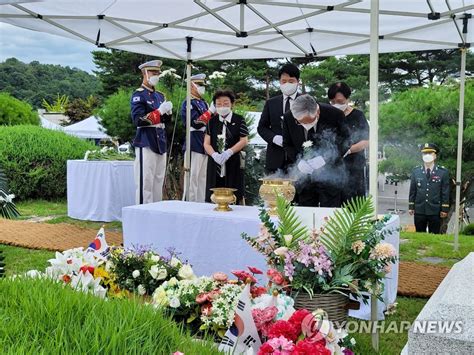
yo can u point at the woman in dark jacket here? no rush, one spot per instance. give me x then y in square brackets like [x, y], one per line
[226, 136]
[356, 124]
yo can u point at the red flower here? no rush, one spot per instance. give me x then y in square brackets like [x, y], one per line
[276, 277]
[297, 318]
[307, 347]
[244, 276]
[85, 268]
[257, 291]
[265, 349]
[66, 278]
[254, 270]
[283, 328]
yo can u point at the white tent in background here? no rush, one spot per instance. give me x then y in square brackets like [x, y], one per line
[50, 125]
[90, 128]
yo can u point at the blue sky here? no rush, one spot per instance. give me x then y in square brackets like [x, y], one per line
[27, 46]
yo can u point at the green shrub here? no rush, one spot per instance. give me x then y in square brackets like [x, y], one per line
[43, 317]
[469, 229]
[34, 160]
[115, 116]
[16, 112]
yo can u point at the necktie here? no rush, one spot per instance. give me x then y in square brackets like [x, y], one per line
[287, 104]
[428, 173]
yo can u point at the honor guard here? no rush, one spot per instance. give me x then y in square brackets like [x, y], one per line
[201, 113]
[429, 192]
[150, 111]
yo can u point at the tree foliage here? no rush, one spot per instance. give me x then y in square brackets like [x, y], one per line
[80, 109]
[16, 112]
[428, 114]
[34, 82]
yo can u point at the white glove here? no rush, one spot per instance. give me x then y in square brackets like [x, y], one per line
[166, 108]
[227, 154]
[304, 167]
[347, 153]
[212, 108]
[278, 140]
[218, 158]
[316, 163]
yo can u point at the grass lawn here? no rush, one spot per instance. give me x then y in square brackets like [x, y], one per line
[43, 317]
[413, 247]
[419, 245]
[58, 211]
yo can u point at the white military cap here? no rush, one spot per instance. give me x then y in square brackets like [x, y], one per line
[199, 78]
[152, 64]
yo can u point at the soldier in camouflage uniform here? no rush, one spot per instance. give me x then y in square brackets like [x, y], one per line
[429, 192]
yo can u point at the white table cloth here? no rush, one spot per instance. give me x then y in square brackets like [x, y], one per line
[98, 190]
[211, 240]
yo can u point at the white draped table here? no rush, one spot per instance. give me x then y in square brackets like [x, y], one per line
[211, 240]
[98, 190]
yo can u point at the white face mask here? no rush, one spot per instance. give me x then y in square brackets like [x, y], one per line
[341, 107]
[201, 90]
[428, 158]
[288, 89]
[308, 126]
[223, 111]
[153, 80]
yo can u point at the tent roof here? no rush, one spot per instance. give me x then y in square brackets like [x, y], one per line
[88, 128]
[224, 29]
[49, 125]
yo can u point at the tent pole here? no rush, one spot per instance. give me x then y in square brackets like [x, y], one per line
[187, 154]
[459, 152]
[374, 128]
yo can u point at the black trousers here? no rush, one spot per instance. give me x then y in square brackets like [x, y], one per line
[423, 221]
[315, 195]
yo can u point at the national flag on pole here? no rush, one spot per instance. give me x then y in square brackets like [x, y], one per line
[99, 245]
[243, 334]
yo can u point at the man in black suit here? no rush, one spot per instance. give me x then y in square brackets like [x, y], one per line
[270, 124]
[315, 140]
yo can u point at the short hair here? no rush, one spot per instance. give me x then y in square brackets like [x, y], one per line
[341, 87]
[290, 69]
[304, 105]
[221, 93]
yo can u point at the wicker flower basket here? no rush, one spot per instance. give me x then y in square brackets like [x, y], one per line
[335, 304]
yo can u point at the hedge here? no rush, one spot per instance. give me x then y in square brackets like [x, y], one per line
[34, 160]
[16, 112]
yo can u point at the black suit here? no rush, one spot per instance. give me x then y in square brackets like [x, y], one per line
[330, 140]
[269, 126]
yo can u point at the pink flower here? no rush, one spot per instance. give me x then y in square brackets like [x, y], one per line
[280, 346]
[276, 277]
[201, 298]
[257, 291]
[263, 318]
[178, 353]
[206, 310]
[219, 277]
[254, 270]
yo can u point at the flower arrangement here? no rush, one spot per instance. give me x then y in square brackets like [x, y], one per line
[142, 270]
[301, 332]
[79, 269]
[307, 147]
[107, 153]
[346, 256]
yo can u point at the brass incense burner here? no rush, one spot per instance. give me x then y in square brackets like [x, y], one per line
[223, 197]
[272, 187]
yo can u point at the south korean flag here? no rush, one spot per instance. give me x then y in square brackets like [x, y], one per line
[242, 337]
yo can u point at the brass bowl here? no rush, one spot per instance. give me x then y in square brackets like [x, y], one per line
[223, 197]
[271, 188]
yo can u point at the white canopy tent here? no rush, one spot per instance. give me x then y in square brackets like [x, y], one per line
[50, 125]
[194, 30]
[90, 128]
